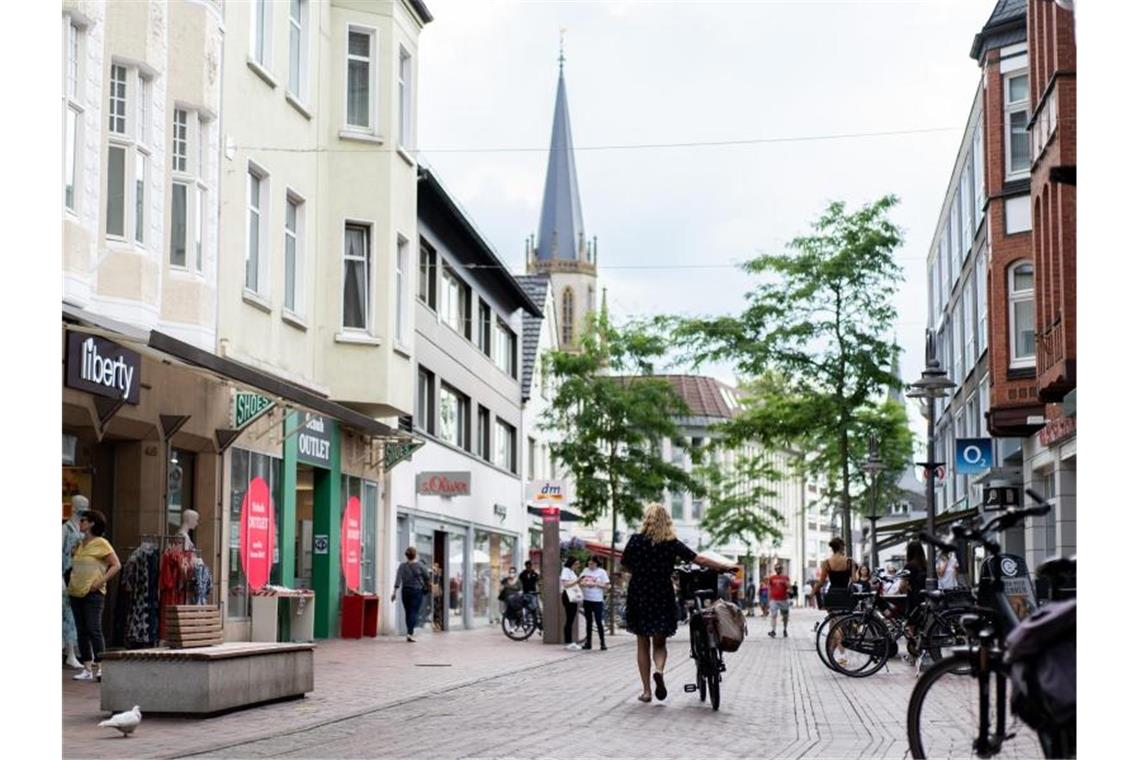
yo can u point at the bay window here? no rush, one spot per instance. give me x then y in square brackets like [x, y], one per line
[1016, 89]
[401, 290]
[128, 154]
[405, 95]
[1022, 319]
[357, 276]
[360, 63]
[72, 112]
[188, 188]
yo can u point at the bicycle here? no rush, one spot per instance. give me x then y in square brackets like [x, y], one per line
[521, 623]
[698, 591]
[974, 681]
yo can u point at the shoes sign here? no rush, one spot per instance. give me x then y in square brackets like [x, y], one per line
[99, 366]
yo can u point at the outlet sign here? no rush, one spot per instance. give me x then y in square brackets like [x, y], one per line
[314, 441]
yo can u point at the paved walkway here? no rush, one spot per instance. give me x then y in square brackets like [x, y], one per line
[476, 694]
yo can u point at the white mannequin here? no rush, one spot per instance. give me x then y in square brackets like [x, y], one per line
[71, 536]
[189, 523]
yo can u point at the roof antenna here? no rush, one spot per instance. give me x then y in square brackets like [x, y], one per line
[561, 45]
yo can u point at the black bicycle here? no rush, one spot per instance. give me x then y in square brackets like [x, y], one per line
[961, 706]
[698, 591]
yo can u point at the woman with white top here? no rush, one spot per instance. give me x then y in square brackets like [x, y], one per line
[595, 582]
[571, 585]
[947, 567]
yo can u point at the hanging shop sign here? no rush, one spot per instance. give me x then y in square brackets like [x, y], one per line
[973, 456]
[314, 441]
[98, 366]
[248, 407]
[257, 534]
[443, 483]
[350, 544]
[397, 451]
[546, 491]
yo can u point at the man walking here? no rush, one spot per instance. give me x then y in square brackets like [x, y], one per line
[778, 588]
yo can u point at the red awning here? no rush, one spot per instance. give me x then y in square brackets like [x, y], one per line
[602, 550]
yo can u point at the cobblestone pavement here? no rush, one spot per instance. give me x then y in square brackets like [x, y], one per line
[505, 699]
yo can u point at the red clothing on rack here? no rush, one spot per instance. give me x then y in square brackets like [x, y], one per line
[174, 573]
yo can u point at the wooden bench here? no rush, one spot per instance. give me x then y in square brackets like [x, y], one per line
[205, 680]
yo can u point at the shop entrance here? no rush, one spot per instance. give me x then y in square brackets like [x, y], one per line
[303, 541]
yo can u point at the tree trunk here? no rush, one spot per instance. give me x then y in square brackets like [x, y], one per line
[613, 551]
[843, 454]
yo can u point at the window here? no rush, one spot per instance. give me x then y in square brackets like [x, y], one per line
[254, 260]
[483, 434]
[567, 316]
[425, 398]
[405, 86]
[1022, 320]
[1016, 117]
[298, 45]
[261, 32]
[188, 188]
[969, 320]
[128, 154]
[960, 344]
[531, 453]
[453, 303]
[294, 211]
[1017, 214]
[244, 467]
[677, 506]
[504, 445]
[357, 276]
[955, 233]
[484, 327]
[401, 290]
[72, 114]
[358, 104]
[698, 509]
[180, 149]
[983, 403]
[504, 349]
[968, 228]
[427, 274]
[981, 271]
[979, 175]
[454, 411]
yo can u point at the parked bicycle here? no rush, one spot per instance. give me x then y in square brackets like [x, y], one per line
[963, 705]
[698, 592]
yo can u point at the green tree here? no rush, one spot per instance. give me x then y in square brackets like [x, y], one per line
[740, 494]
[612, 416]
[815, 323]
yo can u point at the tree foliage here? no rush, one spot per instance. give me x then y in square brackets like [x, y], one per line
[814, 330]
[740, 495]
[613, 416]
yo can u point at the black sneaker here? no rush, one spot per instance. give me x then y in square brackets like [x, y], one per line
[785, 634]
[587, 646]
[602, 647]
[772, 634]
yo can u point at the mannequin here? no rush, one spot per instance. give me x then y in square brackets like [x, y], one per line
[189, 523]
[71, 537]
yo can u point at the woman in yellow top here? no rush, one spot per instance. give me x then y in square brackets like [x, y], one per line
[93, 564]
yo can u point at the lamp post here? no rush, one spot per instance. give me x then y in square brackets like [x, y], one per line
[933, 384]
[873, 466]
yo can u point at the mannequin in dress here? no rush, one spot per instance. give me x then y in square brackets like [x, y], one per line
[71, 536]
[189, 523]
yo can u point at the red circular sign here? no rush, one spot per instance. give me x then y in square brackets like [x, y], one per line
[350, 544]
[258, 534]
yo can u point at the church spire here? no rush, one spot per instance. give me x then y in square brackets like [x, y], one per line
[561, 234]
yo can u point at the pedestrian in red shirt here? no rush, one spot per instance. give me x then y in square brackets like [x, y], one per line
[778, 588]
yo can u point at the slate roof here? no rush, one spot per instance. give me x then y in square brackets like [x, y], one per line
[535, 286]
[1006, 26]
[560, 229]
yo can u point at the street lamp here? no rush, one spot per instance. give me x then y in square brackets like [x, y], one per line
[932, 385]
[873, 466]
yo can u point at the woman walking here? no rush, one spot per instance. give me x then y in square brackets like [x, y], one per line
[415, 580]
[571, 595]
[650, 603]
[92, 565]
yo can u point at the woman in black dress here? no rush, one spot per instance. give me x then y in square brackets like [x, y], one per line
[650, 607]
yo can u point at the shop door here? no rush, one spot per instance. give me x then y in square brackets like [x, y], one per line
[303, 567]
[439, 618]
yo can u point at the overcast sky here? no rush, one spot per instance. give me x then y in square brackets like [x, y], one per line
[640, 73]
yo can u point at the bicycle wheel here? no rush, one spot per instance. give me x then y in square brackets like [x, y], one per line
[702, 686]
[941, 635]
[859, 645]
[942, 718]
[519, 627]
[712, 667]
[822, 630]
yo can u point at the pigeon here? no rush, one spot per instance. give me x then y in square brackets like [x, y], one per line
[126, 722]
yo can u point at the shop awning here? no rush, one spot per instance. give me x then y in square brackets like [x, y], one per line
[902, 532]
[603, 550]
[564, 515]
[165, 347]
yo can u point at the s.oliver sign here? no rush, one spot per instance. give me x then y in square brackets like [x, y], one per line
[98, 366]
[314, 440]
[443, 483]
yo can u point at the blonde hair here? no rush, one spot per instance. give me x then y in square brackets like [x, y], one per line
[658, 525]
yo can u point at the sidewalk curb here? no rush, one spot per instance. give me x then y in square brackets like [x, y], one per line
[384, 706]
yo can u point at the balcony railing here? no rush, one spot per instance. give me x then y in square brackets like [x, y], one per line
[1050, 345]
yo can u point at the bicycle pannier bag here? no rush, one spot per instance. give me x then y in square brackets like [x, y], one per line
[1042, 653]
[838, 599]
[730, 625]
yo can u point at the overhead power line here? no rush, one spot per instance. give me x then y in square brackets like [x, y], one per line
[623, 146]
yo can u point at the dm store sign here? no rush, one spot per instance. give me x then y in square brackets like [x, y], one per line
[314, 441]
[258, 534]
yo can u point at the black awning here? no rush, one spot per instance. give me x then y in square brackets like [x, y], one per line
[900, 533]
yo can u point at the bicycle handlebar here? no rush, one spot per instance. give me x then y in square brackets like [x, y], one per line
[927, 538]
